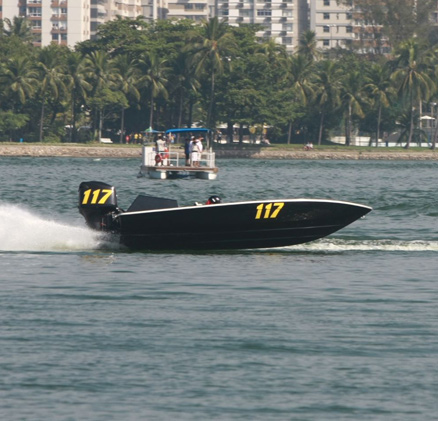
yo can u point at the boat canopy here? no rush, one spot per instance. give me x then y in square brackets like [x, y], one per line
[151, 130]
[188, 130]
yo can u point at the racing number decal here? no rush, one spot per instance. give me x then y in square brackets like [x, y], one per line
[268, 210]
[94, 194]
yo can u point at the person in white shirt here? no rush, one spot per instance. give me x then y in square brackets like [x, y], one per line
[196, 151]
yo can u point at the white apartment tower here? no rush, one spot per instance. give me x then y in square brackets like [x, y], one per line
[333, 23]
[154, 9]
[196, 10]
[106, 10]
[64, 22]
[282, 20]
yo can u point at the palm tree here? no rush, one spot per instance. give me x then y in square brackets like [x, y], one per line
[412, 78]
[351, 100]
[378, 83]
[404, 122]
[328, 87]
[299, 72]
[272, 50]
[186, 81]
[18, 27]
[76, 67]
[100, 73]
[52, 74]
[211, 49]
[154, 77]
[126, 80]
[18, 79]
[308, 46]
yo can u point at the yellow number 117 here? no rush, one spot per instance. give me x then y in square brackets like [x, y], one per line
[264, 210]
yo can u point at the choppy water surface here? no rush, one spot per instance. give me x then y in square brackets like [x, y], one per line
[341, 329]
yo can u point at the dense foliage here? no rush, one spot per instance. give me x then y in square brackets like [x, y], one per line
[170, 73]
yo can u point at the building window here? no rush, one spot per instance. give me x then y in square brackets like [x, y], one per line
[349, 29]
[288, 27]
[55, 37]
[36, 24]
[326, 43]
[34, 11]
[326, 2]
[264, 12]
[199, 6]
[349, 16]
[326, 28]
[188, 6]
[287, 13]
[286, 40]
[326, 16]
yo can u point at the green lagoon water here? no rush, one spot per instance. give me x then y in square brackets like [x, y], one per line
[345, 328]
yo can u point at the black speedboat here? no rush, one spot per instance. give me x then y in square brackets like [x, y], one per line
[153, 223]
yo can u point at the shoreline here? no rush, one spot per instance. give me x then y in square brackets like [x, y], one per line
[114, 151]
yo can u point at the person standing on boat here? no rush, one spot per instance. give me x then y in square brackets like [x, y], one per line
[161, 147]
[187, 146]
[196, 152]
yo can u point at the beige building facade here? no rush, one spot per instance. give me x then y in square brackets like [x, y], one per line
[332, 23]
[282, 20]
[67, 22]
[64, 22]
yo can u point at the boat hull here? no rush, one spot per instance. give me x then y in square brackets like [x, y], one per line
[242, 225]
[172, 172]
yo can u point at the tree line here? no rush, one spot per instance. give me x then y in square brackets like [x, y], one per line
[173, 73]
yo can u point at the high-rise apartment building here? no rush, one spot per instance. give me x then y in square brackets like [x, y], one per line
[196, 10]
[332, 23]
[64, 22]
[154, 9]
[105, 10]
[336, 25]
[282, 20]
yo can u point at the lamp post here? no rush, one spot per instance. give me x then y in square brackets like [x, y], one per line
[331, 35]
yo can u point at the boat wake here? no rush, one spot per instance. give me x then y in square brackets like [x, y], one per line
[22, 230]
[333, 245]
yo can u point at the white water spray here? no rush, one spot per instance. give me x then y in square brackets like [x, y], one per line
[333, 245]
[22, 230]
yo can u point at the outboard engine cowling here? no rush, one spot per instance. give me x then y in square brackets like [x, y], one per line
[98, 205]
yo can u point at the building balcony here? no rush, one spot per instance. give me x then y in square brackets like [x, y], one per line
[59, 3]
[58, 30]
[58, 18]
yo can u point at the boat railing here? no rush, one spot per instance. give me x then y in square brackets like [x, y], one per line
[174, 158]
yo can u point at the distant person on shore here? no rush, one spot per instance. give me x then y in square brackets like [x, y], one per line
[309, 146]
